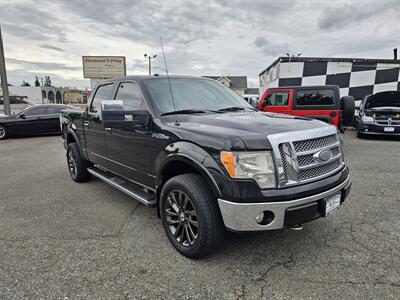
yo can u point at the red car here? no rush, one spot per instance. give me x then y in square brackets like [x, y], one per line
[316, 102]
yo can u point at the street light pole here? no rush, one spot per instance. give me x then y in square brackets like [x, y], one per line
[3, 77]
[150, 57]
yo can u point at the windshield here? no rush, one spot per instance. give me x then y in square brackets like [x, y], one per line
[192, 94]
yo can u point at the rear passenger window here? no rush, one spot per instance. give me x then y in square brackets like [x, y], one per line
[315, 97]
[278, 99]
[103, 92]
[54, 110]
[35, 111]
[130, 94]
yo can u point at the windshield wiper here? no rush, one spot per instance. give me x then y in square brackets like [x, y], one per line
[235, 108]
[184, 111]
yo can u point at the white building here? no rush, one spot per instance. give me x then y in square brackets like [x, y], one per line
[356, 77]
[38, 94]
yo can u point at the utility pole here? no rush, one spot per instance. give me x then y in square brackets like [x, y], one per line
[3, 77]
[150, 58]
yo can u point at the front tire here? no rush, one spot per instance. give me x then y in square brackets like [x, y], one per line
[77, 165]
[3, 132]
[190, 216]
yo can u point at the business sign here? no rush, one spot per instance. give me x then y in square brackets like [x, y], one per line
[103, 67]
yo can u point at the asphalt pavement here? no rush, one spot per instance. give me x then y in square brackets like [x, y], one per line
[64, 240]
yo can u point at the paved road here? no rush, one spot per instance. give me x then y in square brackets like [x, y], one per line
[59, 239]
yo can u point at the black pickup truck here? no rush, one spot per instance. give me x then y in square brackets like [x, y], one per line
[205, 158]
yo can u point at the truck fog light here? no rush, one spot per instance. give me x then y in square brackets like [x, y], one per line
[265, 217]
[260, 217]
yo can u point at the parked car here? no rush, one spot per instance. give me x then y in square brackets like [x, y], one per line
[205, 158]
[34, 120]
[18, 103]
[380, 114]
[253, 101]
[318, 102]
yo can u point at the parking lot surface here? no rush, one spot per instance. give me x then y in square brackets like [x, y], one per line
[60, 239]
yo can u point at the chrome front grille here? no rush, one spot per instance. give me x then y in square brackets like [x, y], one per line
[302, 157]
[316, 143]
[318, 171]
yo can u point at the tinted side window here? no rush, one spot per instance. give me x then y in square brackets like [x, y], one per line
[103, 92]
[278, 99]
[34, 111]
[130, 95]
[52, 110]
[315, 97]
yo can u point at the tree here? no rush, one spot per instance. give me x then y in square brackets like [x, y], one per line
[25, 83]
[47, 81]
[37, 83]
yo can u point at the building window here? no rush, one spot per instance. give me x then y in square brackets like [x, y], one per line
[51, 96]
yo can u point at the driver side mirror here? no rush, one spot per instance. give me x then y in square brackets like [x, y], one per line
[22, 116]
[113, 115]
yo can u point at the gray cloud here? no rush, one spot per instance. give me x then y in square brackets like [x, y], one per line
[47, 46]
[271, 48]
[344, 14]
[45, 66]
[200, 37]
[32, 23]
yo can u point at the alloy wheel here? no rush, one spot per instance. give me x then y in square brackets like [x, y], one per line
[2, 132]
[72, 164]
[181, 218]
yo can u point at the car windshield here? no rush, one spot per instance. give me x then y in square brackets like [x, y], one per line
[193, 94]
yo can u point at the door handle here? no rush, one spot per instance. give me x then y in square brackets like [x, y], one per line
[86, 123]
[107, 129]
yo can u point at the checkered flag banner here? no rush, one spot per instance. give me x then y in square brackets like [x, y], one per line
[355, 77]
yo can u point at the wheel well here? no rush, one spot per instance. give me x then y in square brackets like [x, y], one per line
[176, 168]
[70, 139]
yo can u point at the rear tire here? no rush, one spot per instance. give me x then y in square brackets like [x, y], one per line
[3, 132]
[348, 107]
[77, 165]
[190, 216]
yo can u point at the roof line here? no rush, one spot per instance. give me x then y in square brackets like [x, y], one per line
[330, 59]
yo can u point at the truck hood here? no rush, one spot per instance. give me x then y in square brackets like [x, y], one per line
[247, 130]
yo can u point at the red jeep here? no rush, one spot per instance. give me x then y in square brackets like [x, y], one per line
[317, 102]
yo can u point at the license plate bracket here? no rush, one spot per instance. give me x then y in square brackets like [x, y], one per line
[331, 204]
[388, 129]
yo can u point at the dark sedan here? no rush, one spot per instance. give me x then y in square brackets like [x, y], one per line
[34, 120]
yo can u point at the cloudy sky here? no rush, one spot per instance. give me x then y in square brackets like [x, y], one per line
[200, 37]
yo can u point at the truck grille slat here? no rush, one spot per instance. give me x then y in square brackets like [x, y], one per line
[300, 146]
[318, 171]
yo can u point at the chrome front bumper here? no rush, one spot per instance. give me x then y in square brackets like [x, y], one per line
[242, 216]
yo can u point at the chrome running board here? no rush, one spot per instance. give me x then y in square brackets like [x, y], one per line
[125, 186]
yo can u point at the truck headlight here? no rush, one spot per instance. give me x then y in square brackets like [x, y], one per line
[367, 119]
[258, 165]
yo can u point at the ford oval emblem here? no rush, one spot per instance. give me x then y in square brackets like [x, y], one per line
[325, 155]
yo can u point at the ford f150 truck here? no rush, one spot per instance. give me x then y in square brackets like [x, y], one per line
[205, 158]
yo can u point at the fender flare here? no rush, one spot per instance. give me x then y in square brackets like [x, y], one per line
[75, 137]
[202, 170]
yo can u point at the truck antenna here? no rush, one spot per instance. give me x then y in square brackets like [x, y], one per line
[169, 81]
